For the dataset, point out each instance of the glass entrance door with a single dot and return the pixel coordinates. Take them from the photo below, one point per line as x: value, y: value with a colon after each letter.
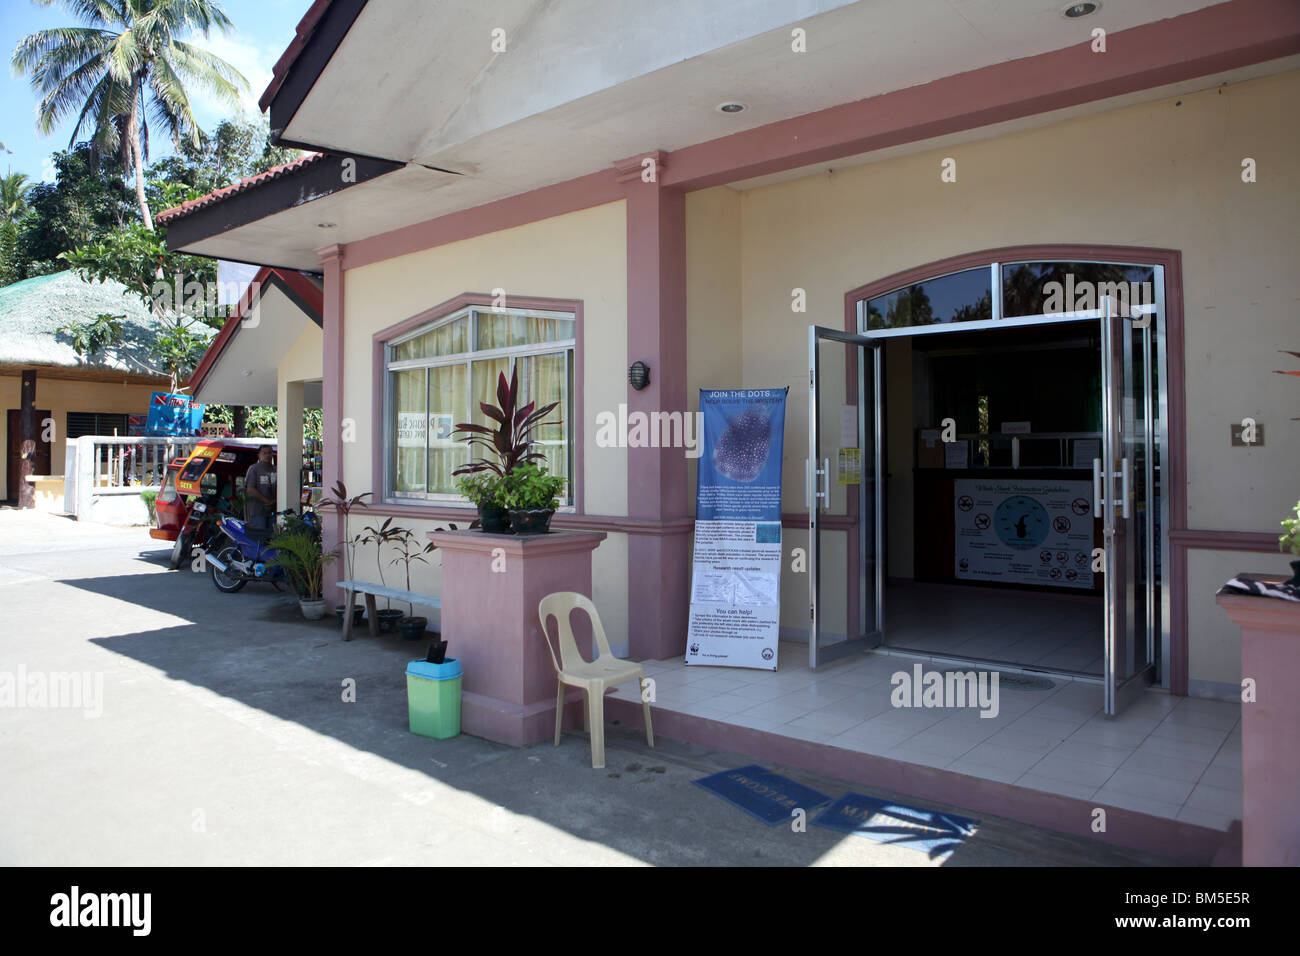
x: 843, y: 481
x: 1124, y: 486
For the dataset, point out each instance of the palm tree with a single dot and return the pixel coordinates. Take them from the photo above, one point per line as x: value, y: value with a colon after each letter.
x: 123, y: 68
x: 13, y: 196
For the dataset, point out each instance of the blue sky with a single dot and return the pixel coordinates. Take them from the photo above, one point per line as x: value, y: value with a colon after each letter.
x: 263, y: 29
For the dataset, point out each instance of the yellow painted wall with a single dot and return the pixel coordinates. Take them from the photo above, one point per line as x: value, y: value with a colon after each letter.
x: 1164, y: 174
x: 580, y: 255
x: 61, y: 396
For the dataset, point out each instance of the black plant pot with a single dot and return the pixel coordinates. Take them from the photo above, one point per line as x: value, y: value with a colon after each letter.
x: 388, y: 618
x: 531, y: 520
x: 412, y: 628
x: 358, y: 612
x: 493, y: 519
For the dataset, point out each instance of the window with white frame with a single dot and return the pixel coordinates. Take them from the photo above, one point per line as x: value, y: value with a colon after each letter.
x: 438, y: 374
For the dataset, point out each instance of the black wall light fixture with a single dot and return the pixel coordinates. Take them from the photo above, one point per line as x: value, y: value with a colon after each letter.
x: 638, y: 375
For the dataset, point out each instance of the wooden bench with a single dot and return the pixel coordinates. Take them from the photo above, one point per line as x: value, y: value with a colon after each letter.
x: 372, y: 591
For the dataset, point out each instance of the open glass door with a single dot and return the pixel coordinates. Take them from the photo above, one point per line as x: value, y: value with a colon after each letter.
x: 1125, y: 491
x: 843, y: 481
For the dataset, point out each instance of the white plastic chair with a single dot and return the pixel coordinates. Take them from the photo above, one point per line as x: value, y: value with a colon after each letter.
x: 594, y: 677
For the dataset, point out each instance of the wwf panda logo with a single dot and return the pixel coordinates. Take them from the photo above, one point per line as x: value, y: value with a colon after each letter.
x: 695, y: 648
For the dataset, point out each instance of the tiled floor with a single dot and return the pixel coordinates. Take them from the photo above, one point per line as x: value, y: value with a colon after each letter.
x: 1178, y: 758
x: 1061, y: 631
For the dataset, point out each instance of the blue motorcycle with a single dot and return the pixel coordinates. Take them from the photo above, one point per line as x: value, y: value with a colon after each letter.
x: 235, y: 557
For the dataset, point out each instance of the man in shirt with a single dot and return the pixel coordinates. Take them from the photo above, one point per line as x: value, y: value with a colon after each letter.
x: 259, y: 494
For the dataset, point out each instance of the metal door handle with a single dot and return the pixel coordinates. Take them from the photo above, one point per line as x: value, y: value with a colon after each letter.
x: 1123, y: 502
x: 1096, y: 487
x: 826, y: 481
x: 807, y: 483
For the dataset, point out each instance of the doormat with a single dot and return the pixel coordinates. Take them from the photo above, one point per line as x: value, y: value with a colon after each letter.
x: 930, y: 831
x: 1017, y: 681
x: 762, y: 793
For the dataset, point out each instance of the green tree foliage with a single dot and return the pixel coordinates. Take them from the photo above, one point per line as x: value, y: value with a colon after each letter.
x: 81, y: 205
x: 124, y: 67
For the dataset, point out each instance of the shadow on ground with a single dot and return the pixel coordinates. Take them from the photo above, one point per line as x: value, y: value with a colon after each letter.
x: 254, y: 647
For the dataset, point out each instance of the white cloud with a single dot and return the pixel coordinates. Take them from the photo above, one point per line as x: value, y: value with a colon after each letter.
x: 252, y: 61
x: 48, y: 173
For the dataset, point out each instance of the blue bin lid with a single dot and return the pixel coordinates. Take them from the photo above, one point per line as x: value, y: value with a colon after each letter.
x: 447, y: 670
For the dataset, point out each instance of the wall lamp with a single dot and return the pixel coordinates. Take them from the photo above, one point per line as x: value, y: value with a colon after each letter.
x: 638, y: 375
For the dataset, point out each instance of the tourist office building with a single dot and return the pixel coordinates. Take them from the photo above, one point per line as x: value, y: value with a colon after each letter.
x: 1027, y: 273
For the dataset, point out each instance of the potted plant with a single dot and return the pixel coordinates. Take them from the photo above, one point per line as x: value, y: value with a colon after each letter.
x: 509, y: 443
x: 411, y: 626
x: 380, y: 536
x: 341, y: 504
x: 1291, y: 542
x: 298, y: 551
x: 530, y: 494
x: 484, y: 489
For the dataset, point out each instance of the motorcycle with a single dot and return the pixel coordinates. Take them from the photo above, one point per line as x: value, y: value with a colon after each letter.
x: 198, y: 528
x: 236, y: 557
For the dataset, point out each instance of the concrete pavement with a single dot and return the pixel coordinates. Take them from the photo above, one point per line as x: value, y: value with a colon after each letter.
x: 225, y: 739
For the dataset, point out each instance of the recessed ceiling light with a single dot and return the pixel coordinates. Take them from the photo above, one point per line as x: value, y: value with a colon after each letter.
x: 326, y: 225
x: 731, y: 107
x: 1081, y: 9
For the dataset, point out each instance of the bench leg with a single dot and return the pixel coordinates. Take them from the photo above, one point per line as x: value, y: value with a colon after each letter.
x: 372, y: 615
x: 347, y: 616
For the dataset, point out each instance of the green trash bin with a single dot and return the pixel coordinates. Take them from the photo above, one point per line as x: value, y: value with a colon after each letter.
x: 433, y: 698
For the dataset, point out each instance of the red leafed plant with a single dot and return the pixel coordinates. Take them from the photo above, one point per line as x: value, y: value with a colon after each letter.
x: 510, y: 440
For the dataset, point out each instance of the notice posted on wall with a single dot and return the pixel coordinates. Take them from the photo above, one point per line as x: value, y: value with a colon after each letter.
x: 736, y: 577
x: 1023, y: 532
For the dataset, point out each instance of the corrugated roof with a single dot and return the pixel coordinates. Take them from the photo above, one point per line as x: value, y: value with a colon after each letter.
x: 32, y: 311
x: 272, y: 174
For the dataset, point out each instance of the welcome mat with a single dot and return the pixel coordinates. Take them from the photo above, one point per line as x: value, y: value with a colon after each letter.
x: 931, y: 831
x: 763, y: 794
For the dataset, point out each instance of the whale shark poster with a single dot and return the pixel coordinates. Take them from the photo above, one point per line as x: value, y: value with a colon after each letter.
x: 736, y: 573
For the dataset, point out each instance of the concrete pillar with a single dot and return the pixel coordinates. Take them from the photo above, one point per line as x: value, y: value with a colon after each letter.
x: 332, y: 406
x: 656, y: 335
x: 289, y: 435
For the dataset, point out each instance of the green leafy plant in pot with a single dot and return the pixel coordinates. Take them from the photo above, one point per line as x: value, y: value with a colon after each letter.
x: 341, y: 504
x: 484, y: 489
x: 531, y: 496
x: 411, y: 626
x: 1291, y: 542
x: 381, y: 536
x: 298, y: 551
x: 508, y: 442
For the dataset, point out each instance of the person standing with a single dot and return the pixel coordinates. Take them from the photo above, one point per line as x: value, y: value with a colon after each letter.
x: 259, y: 494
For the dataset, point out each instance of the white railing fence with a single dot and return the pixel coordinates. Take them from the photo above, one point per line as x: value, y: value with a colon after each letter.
x: 99, y: 467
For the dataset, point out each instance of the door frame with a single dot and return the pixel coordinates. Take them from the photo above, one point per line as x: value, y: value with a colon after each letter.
x: 1171, y: 639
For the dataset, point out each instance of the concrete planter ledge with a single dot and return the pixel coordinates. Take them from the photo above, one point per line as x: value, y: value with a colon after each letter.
x: 1270, y: 726
x: 491, y: 586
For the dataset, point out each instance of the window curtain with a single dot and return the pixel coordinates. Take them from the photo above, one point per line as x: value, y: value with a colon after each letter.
x: 409, y: 426
x: 446, y: 411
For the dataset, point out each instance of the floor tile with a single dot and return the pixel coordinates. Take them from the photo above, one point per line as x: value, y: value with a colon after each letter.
x: 1150, y: 786
x: 1141, y: 804
x: 1214, y: 799
x: 1067, y: 788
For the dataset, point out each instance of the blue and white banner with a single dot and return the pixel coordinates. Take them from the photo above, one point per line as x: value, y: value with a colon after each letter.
x: 173, y: 415
x: 736, y: 577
